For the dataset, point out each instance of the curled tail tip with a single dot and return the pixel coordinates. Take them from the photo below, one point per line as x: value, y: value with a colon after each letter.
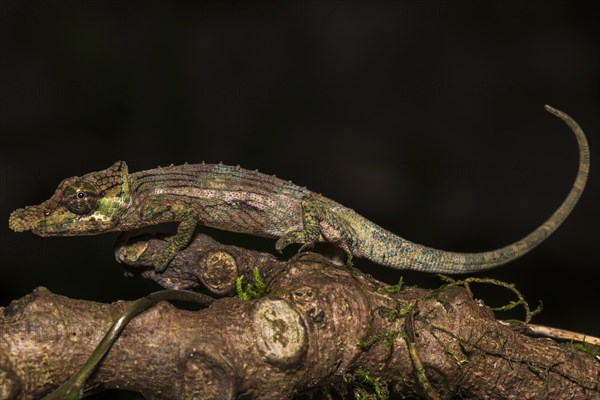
x: 574, y: 126
x: 556, y: 112
x: 564, y: 116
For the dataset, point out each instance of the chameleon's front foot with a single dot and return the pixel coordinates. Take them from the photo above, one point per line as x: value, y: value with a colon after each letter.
x: 174, y: 245
x: 177, y: 242
x: 162, y: 263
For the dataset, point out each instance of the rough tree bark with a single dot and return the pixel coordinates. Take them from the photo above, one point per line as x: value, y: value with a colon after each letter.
x: 318, y: 326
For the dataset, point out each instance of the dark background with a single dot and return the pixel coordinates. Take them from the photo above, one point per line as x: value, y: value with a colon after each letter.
x: 426, y: 117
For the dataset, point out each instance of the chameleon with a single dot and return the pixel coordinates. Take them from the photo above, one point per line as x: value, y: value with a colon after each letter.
x: 235, y: 199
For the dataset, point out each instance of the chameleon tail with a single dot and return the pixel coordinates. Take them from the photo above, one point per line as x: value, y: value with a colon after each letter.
x: 385, y: 248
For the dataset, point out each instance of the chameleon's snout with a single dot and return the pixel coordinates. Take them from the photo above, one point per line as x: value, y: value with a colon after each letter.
x: 23, y: 219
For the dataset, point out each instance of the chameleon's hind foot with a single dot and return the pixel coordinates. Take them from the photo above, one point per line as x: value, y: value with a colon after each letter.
x: 309, y: 234
x: 305, y: 237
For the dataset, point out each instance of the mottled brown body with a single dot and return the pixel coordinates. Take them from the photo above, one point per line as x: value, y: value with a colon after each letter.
x: 239, y: 200
x: 219, y: 196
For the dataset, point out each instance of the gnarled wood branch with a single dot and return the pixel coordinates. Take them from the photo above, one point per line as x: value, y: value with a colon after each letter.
x: 317, y: 326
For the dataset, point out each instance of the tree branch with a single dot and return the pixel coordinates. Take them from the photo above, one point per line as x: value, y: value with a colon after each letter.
x: 318, y: 326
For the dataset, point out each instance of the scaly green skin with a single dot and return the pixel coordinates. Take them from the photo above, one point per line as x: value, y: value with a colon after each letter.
x: 235, y: 199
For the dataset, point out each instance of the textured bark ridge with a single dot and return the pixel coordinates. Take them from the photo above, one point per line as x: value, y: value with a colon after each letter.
x: 318, y: 326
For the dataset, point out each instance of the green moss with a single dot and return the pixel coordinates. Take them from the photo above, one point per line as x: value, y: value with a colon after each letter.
x: 466, y: 283
x: 585, y: 348
x: 387, y: 337
x: 252, y: 291
x: 380, y: 391
x: 395, y: 288
x: 398, y: 312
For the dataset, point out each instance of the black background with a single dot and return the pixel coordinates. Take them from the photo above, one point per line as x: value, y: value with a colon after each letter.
x: 427, y: 117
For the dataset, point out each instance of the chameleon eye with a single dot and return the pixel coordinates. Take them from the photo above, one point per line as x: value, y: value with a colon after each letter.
x: 81, y: 197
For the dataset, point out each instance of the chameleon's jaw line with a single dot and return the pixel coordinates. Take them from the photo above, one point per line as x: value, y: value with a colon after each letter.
x: 32, y: 219
x: 42, y: 222
x: 18, y: 220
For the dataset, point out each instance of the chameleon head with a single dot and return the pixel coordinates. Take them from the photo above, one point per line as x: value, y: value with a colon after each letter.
x: 84, y: 205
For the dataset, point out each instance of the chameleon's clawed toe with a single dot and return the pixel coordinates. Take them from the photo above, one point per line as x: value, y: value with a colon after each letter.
x: 282, y: 243
x: 306, y: 246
